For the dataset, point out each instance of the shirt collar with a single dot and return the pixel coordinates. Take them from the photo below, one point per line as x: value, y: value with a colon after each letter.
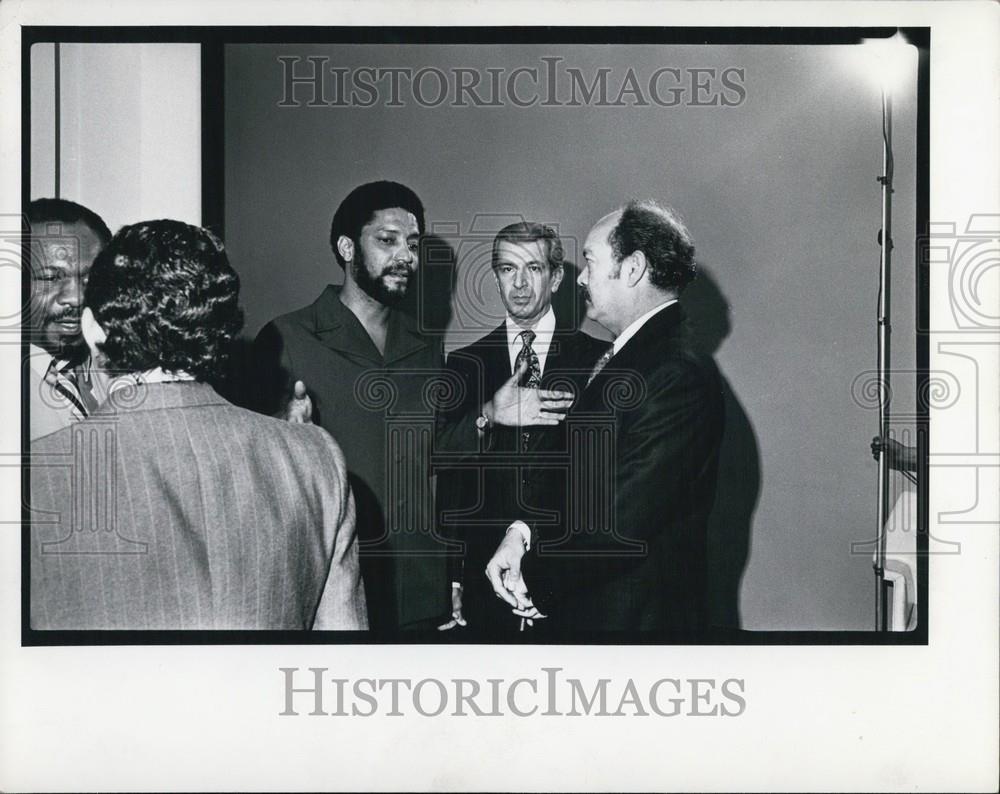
x: 156, y: 375
x: 633, y: 329
x: 544, y: 329
x: 40, y: 359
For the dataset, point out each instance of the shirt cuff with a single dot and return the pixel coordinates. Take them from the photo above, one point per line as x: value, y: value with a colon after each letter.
x: 524, y: 531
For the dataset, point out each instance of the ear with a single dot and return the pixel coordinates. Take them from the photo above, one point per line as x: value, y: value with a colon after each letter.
x: 345, y: 247
x: 635, y: 269
x: 557, y: 277
x: 92, y: 332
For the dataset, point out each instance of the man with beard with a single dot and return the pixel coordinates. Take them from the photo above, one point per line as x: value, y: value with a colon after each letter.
x: 63, y: 387
x: 364, y: 368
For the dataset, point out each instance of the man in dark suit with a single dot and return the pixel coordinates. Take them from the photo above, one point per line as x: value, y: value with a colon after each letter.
x: 363, y: 369
x: 517, y: 384
x: 632, y: 557
x: 168, y: 507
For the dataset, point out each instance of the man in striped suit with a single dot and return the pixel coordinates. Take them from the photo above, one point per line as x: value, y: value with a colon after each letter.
x: 168, y: 507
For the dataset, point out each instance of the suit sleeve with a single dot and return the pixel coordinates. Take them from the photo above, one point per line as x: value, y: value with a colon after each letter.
x: 456, y: 434
x: 342, y: 603
x: 456, y: 442
x: 660, y: 444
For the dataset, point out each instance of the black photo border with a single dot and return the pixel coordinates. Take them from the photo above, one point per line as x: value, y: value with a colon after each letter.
x: 213, y: 40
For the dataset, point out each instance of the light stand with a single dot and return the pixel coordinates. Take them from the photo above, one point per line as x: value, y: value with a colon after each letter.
x: 884, y: 390
x: 892, y: 61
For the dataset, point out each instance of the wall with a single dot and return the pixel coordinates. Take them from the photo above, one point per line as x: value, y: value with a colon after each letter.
x: 129, y: 143
x: 780, y: 194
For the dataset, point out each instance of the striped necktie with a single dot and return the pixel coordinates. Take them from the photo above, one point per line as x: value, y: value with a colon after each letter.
x: 602, y: 362
x: 65, y: 381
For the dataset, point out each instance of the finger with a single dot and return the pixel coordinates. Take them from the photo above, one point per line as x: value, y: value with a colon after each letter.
x: 551, y: 405
x: 514, y: 379
x: 553, y: 394
x: 449, y: 625
x: 545, y: 420
x: 493, y: 573
x: 527, y: 612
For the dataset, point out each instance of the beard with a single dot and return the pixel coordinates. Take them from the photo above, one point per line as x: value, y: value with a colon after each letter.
x: 375, y: 286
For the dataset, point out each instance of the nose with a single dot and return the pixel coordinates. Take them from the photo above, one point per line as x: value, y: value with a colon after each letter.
x: 406, y: 254
x: 71, y: 293
x: 520, y: 279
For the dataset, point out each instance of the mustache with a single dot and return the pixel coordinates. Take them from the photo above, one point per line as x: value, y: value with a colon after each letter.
x: 397, y: 271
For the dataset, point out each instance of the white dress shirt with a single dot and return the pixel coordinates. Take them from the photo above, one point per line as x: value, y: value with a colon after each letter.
x: 544, y: 329
x: 41, y: 361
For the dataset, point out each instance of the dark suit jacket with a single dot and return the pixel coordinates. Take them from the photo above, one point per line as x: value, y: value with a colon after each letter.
x: 380, y: 410
x: 170, y: 508
x: 508, y: 474
x: 647, y: 431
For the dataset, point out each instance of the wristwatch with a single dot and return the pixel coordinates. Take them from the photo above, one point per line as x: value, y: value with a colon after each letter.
x: 482, y: 423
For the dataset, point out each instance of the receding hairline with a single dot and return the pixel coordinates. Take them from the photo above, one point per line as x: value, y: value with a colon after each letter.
x: 611, y: 219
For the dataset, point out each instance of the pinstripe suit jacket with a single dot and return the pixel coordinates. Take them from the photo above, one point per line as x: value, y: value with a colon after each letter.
x: 170, y: 508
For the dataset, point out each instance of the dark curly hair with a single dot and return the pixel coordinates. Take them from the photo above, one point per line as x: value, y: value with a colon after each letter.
x: 166, y: 296
x: 361, y: 205
x: 529, y: 232
x: 657, y: 232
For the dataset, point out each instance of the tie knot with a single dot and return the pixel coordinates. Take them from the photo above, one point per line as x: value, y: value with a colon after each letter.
x: 527, y: 337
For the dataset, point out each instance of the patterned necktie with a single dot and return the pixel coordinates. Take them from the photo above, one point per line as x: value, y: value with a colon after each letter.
x: 602, y: 362
x: 533, y: 377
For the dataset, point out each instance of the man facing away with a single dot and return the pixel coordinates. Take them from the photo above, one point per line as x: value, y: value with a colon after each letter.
x: 168, y: 507
x: 633, y: 557
x: 63, y: 385
x: 366, y: 368
x: 517, y: 384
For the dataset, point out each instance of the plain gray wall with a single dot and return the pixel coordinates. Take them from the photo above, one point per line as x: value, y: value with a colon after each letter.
x: 780, y: 194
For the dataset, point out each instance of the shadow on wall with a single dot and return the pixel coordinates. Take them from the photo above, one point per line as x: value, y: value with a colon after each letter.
x: 731, y: 522
x: 429, y: 298
x: 568, y: 303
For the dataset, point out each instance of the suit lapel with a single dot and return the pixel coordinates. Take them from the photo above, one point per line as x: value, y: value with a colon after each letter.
x: 637, y: 355
x: 340, y: 330
x: 494, y: 354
